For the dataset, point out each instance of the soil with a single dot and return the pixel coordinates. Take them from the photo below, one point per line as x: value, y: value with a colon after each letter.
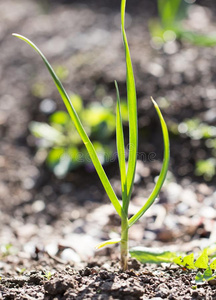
x: 49, y: 227
x: 99, y: 279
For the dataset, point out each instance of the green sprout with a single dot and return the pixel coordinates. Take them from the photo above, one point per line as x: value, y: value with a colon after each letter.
x: 127, y: 174
x: 48, y: 275
x: 169, y: 25
x: 20, y: 271
x: 204, y: 265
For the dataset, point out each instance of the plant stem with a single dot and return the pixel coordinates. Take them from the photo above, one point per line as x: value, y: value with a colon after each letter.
x: 124, y: 242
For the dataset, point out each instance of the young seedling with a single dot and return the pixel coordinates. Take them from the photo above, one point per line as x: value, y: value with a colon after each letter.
x: 204, y: 265
x: 48, y: 275
x: 127, y: 174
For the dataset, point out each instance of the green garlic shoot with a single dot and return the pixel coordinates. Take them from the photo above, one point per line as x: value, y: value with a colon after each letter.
x: 127, y: 174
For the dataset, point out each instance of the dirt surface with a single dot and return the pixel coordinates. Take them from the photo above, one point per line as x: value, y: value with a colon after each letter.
x: 51, y: 225
x: 99, y: 279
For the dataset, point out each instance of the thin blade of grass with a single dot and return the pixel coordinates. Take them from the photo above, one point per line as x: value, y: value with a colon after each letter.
x: 120, y: 147
x: 108, y: 242
x: 90, y: 148
x: 163, y: 172
x: 132, y: 109
x: 168, y: 10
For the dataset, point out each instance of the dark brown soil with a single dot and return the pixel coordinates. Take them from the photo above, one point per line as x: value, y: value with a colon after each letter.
x: 50, y: 225
x: 102, y: 279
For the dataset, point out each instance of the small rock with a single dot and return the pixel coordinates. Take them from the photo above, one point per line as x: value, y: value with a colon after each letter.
x: 181, y: 208
x: 195, y: 294
x: 155, y: 69
x: 210, y: 115
x: 170, y: 47
x: 189, y: 197
x: 104, y: 275
x: 165, y: 235
x: 36, y: 278
x: 59, y: 286
x: 134, y: 264
x: 47, y: 106
x: 207, y: 212
x: 204, y: 189
x: 141, y: 169
x: 27, y: 230
x: 173, y: 192
x: 87, y: 272
x: 70, y: 255
x: 162, y: 290
x: 38, y: 206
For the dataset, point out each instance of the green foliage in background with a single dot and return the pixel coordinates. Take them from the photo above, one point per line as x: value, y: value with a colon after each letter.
x: 196, y: 129
x: 6, y: 249
x: 169, y: 25
x: 64, y: 147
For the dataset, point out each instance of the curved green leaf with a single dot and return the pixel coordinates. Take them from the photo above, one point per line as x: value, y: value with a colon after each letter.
x: 108, y: 242
x: 163, y: 172
x: 153, y: 255
x: 90, y: 148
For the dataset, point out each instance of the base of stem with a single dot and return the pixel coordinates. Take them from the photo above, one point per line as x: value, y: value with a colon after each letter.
x: 124, y: 250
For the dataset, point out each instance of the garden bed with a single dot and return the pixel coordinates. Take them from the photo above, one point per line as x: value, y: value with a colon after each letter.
x: 102, y: 279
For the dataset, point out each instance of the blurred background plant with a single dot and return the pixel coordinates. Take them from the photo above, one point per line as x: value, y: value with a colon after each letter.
x: 201, y: 131
x: 61, y: 144
x: 170, y: 24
